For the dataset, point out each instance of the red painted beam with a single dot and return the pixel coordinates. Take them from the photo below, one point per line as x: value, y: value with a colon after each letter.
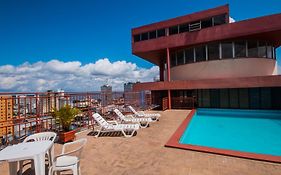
x: 246, y: 82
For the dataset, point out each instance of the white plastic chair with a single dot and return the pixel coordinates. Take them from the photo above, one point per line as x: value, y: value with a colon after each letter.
x: 143, y: 122
x: 67, y: 160
x: 42, y: 136
x: 153, y: 116
x: 106, y: 126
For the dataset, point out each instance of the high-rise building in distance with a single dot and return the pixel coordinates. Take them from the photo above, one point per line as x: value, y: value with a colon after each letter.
x: 106, y: 95
x: 6, y: 116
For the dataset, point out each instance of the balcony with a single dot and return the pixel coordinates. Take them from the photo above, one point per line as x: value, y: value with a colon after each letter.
x: 22, y: 114
x: 145, y: 154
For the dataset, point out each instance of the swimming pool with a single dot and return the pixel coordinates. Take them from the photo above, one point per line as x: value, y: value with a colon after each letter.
x: 244, y: 133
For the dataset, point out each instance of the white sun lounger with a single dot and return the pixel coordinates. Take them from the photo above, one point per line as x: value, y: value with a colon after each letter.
x: 153, y: 116
x: 142, y: 122
x: 106, y: 126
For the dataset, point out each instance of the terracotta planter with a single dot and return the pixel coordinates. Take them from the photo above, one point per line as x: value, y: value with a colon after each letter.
x: 67, y: 136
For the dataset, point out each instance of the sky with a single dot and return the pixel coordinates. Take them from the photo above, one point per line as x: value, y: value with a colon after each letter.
x: 81, y: 45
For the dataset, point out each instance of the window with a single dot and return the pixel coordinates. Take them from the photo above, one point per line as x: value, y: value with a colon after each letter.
x: 220, y: 19
x: 273, y: 53
x: 224, y: 98
x: 194, y: 26
x: 213, y: 51
x: 180, y: 57
x: 152, y: 34
x: 144, y: 36
x: 262, y: 49
x: 189, y: 55
x: 184, y: 28
x: 269, y: 51
x: 252, y: 49
x: 206, y: 23
x: 233, y: 98
x: 215, y: 98
x: 136, y: 38
x: 173, y: 59
x: 227, y: 51
x: 240, y: 49
x: 200, y: 53
x: 173, y: 30
x: 254, y: 98
x: 265, y: 98
x: 243, y: 98
x: 161, y: 32
x: 206, y: 98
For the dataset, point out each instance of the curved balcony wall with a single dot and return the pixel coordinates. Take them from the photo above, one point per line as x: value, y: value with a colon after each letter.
x: 243, y: 58
x: 230, y: 68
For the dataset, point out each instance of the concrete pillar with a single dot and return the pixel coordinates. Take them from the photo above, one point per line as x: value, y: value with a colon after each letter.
x: 168, y: 76
x: 168, y: 64
x: 169, y: 100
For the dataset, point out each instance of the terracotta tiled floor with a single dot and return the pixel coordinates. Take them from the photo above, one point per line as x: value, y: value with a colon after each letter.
x: 145, y: 154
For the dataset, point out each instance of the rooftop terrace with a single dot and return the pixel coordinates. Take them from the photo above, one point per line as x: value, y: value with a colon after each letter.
x: 145, y: 154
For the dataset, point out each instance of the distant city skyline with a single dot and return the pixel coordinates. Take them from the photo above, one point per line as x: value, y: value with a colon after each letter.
x: 81, y: 45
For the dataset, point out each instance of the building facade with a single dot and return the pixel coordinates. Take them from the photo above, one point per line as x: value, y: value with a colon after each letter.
x: 6, y: 116
x: 207, y: 60
x: 131, y: 97
x: 106, y: 95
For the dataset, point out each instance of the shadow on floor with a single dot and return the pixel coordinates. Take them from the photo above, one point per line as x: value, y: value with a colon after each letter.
x: 29, y: 171
x: 109, y: 134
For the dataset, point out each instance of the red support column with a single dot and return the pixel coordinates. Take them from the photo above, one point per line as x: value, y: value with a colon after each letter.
x: 161, y: 71
x: 168, y: 77
x: 169, y: 100
x: 168, y: 65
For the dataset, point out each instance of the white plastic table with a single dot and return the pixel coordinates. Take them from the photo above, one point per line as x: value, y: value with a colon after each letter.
x: 24, y: 151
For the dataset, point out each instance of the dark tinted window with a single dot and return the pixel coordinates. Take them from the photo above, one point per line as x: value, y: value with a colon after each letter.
x: 136, y: 38
x: 161, y: 32
x: 206, y: 97
x: 184, y: 28
x: 240, y: 49
x: 252, y: 49
x: 269, y: 51
x: 215, y: 98
x: 226, y: 48
x: 189, y: 55
x: 173, y: 30
x: 243, y: 98
x: 254, y: 95
x: 224, y: 98
x: 144, y: 36
x: 213, y: 51
x: 262, y: 49
x: 173, y: 59
x: 265, y: 98
x: 233, y: 98
x: 200, y: 53
x: 206, y: 23
x: 220, y: 19
x: 180, y: 57
x: 152, y: 34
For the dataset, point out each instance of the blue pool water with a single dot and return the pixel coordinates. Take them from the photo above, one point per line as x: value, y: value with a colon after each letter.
x: 254, y: 131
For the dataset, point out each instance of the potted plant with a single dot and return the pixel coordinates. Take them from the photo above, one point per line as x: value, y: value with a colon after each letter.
x: 64, y: 116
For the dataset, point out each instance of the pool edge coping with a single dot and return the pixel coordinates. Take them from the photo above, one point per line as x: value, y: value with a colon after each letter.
x: 173, y: 142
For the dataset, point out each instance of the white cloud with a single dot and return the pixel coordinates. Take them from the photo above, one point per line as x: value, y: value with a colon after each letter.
x: 72, y: 76
x: 231, y: 20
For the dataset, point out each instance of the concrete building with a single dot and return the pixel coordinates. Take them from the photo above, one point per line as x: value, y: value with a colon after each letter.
x: 207, y: 60
x: 6, y: 116
x: 106, y: 95
x: 130, y: 97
